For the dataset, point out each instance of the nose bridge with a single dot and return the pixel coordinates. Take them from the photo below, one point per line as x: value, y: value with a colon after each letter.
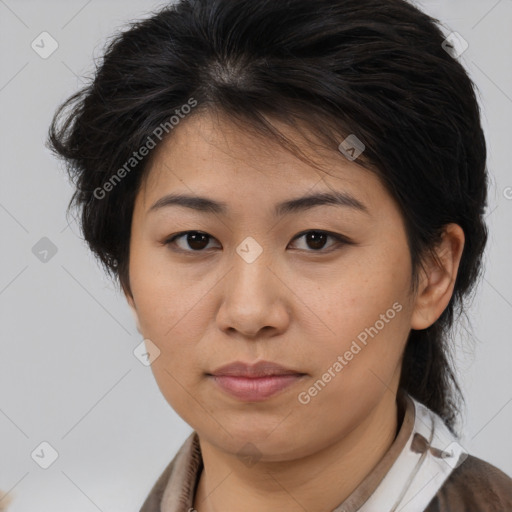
x: 250, y: 250
x: 251, y: 265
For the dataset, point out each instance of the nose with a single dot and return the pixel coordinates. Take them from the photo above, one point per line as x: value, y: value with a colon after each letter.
x: 254, y: 299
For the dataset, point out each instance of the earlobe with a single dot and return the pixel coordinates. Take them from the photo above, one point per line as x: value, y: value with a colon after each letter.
x: 438, y: 279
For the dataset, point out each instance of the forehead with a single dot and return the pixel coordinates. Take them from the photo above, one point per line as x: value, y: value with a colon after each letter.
x: 208, y: 153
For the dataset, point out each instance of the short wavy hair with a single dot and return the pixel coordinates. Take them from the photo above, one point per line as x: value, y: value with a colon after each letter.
x: 378, y: 70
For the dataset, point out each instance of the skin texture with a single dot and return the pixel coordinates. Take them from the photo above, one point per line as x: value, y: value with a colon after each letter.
x: 299, y: 304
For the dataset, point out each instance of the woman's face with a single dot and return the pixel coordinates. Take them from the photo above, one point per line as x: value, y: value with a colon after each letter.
x: 261, y: 283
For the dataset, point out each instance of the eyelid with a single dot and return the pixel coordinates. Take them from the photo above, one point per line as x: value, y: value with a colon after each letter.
x: 340, y: 240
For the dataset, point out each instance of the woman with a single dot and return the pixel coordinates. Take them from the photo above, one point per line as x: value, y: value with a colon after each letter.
x: 292, y: 197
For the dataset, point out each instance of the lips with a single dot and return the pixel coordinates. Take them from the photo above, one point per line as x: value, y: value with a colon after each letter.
x: 254, y: 382
x: 259, y: 369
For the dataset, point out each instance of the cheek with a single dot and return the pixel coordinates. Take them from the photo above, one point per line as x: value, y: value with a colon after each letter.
x: 171, y: 312
x: 172, y: 320
x: 164, y: 294
x: 358, y: 365
x: 365, y: 288
x: 366, y: 318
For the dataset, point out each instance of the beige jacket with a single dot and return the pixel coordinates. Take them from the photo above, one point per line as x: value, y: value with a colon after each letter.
x: 424, y: 470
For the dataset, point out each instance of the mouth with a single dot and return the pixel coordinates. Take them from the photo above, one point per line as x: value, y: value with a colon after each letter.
x: 254, y: 382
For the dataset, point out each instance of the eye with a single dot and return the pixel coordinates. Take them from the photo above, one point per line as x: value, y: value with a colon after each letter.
x: 317, y: 239
x: 198, y: 240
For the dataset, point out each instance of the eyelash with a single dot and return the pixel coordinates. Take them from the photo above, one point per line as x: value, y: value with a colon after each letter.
x: 340, y: 239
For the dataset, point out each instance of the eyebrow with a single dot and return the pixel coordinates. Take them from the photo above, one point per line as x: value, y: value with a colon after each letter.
x: 207, y: 205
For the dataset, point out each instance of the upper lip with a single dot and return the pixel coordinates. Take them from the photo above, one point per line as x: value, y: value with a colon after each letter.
x: 259, y: 369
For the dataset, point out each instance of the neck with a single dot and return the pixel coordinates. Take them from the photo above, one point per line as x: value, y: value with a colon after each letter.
x: 319, y: 482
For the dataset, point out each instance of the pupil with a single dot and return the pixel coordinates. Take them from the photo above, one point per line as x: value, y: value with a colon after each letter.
x: 317, y: 239
x: 192, y: 239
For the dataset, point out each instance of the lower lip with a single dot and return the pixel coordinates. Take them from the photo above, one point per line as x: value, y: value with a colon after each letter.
x: 255, y: 389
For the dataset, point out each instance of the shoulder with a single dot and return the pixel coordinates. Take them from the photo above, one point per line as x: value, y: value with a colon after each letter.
x: 474, y: 486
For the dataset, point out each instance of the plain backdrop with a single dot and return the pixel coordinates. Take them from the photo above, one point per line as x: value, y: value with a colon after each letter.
x: 68, y: 375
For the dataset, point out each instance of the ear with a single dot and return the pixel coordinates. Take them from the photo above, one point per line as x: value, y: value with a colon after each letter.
x: 437, y: 282
x: 133, y: 307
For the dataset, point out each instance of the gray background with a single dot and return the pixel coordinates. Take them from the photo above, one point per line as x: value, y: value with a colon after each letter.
x: 68, y: 375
